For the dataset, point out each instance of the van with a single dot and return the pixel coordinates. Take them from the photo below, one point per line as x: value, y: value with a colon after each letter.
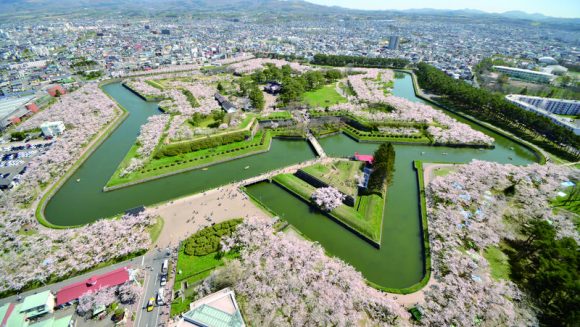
x: 160, y: 299
x: 165, y: 266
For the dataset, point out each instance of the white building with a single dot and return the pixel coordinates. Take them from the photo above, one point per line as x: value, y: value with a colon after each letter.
x: 541, y: 109
x: 52, y: 128
x: 526, y: 74
x: 219, y: 309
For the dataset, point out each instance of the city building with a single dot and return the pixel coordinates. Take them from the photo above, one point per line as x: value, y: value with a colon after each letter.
x: 37, y: 305
x: 547, y: 61
x: 225, y: 104
x: 394, y: 42
x: 219, y: 309
x: 526, y: 74
x: 555, y: 106
x: 71, y: 293
x: 569, y: 123
x: 52, y: 128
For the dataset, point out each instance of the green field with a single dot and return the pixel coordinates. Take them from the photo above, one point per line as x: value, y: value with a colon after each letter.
x: 340, y: 174
x: 324, y: 97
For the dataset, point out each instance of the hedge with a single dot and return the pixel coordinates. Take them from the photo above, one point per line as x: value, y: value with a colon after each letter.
x: 175, y: 149
x: 207, y: 240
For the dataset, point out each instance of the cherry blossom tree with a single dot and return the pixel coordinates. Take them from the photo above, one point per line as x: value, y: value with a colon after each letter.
x: 328, y: 198
x: 289, y: 282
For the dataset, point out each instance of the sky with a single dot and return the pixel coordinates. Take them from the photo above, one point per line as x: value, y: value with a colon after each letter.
x: 554, y: 8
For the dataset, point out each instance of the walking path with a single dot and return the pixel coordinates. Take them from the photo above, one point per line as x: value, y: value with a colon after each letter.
x: 317, y: 147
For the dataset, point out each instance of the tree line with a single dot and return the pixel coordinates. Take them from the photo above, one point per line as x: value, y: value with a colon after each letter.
x: 548, y: 268
x: 341, y: 61
x: 495, y: 109
x: 383, y: 168
x: 293, y: 84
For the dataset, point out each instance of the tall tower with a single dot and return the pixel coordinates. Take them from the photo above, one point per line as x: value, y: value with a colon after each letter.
x: 394, y: 42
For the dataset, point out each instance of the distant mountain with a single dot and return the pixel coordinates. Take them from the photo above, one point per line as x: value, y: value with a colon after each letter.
x: 9, y: 8
x: 165, y: 5
x: 516, y: 14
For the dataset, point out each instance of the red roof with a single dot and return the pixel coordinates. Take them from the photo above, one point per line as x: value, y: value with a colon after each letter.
x: 52, y: 90
x: 32, y: 107
x: 15, y: 120
x: 74, y: 291
x: 364, y: 157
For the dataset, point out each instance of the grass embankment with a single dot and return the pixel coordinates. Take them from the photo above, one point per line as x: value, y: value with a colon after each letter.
x: 277, y: 115
x: 192, y: 160
x: 367, y: 222
x: 323, y: 97
x: 155, y: 229
x: 340, y: 174
x: 154, y: 84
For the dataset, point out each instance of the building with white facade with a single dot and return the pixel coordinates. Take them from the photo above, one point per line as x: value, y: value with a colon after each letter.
x: 526, y: 74
x: 549, y: 108
x: 52, y: 128
x: 555, y: 106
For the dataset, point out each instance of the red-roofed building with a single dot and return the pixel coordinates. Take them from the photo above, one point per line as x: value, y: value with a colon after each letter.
x: 364, y: 157
x: 53, y: 90
x: 15, y: 120
x: 32, y: 107
x: 74, y: 291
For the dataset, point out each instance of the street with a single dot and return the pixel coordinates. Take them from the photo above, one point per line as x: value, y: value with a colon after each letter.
x: 151, y: 265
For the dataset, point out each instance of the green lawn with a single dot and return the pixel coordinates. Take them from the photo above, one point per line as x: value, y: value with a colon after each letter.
x: 324, y: 97
x: 277, y: 115
x: 443, y: 171
x: 498, y: 263
x: 155, y: 229
x: 295, y: 184
x: 339, y: 174
x: 191, y: 160
x: 570, y: 202
x: 154, y: 84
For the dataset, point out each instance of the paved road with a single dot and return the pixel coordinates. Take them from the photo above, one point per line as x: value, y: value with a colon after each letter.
x: 152, y: 267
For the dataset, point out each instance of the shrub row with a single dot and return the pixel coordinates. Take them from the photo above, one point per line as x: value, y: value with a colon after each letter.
x: 207, y: 240
x: 214, y: 154
x: 174, y: 149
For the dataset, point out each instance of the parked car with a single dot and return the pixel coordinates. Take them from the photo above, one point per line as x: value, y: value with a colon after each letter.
x: 163, y: 280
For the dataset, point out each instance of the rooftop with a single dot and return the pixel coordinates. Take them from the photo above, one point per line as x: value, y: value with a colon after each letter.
x: 74, y: 291
x: 9, y: 105
x: 219, y: 309
x: 36, y: 300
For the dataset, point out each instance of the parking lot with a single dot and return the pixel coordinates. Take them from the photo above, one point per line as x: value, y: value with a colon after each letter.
x: 14, y: 159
